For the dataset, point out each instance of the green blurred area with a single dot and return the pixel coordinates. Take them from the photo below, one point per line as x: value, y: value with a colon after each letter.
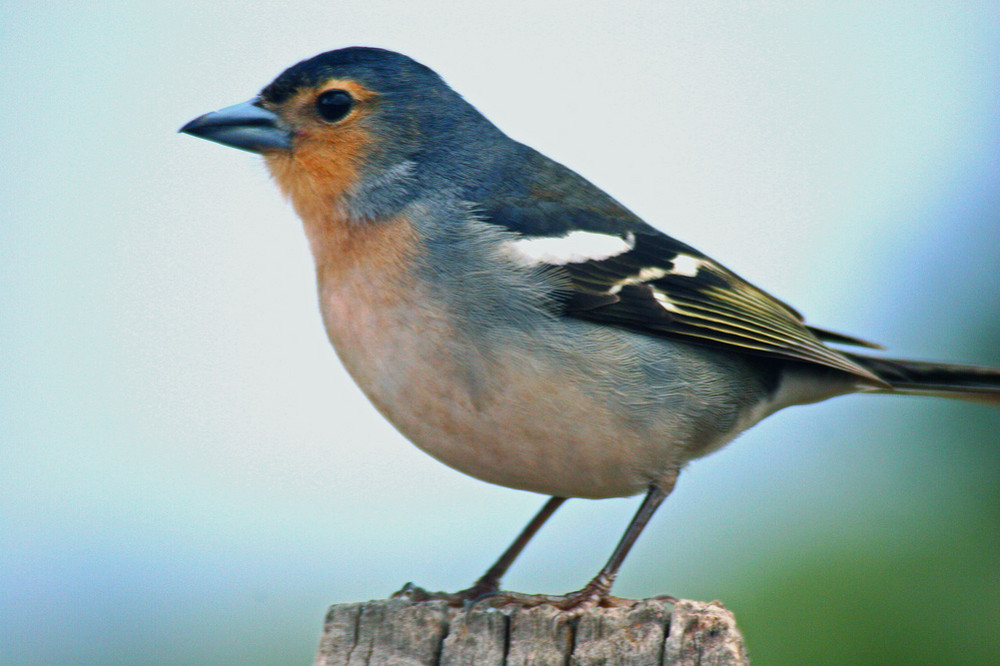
x: 933, y: 600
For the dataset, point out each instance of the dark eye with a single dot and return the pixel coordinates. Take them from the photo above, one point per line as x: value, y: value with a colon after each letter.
x: 333, y: 105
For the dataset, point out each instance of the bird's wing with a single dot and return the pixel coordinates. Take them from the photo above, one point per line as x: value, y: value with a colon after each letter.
x: 625, y: 273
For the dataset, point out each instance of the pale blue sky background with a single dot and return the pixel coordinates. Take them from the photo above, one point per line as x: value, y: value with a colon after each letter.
x: 187, y: 475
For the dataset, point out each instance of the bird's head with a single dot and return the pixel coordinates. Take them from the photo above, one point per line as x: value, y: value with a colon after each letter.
x: 356, y: 127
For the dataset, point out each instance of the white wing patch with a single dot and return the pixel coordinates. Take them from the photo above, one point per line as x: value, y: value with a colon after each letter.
x: 647, y: 274
x: 683, y: 264
x: 576, y: 247
x: 686, y: 265
x: 665, y: 301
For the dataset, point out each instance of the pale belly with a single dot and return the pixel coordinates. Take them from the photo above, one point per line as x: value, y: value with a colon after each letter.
x: 553, y: 423
x: 528, y: 430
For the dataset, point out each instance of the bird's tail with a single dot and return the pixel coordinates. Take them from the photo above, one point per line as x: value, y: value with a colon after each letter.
x: 964, y: 382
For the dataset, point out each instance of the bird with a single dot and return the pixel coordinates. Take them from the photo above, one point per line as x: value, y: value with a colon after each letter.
x: 517, y: 323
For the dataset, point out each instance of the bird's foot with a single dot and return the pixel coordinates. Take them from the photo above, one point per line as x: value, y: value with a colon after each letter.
x: 472, y: 595
x: 596, y: 594
x: 573, y: 603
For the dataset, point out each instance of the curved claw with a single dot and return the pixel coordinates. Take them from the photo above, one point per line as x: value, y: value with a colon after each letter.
x: 468, y: 597
x: 573, y: 603
x: 411, y: 592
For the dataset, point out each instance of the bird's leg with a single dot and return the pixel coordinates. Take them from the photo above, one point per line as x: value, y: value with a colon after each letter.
x: 597, y: 591
x: 489, y: 583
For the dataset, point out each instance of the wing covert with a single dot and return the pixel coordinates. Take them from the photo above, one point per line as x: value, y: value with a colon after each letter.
x: 625, y: 273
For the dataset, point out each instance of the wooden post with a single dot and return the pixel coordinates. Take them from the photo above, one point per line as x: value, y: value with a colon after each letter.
x: 399, y: 632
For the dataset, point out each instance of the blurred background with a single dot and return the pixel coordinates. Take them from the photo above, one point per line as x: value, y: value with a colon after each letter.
x: 187, y: 475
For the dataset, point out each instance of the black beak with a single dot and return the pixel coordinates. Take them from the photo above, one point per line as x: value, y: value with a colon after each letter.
x: 245, y: 126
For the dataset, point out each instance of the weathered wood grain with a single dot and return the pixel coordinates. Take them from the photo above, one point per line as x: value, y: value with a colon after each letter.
x: 400, y: 632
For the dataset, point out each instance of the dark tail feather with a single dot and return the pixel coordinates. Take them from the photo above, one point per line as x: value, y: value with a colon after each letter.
x: 965, y: 382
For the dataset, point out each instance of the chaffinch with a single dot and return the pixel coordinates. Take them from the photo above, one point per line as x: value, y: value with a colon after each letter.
x: 513, y: 320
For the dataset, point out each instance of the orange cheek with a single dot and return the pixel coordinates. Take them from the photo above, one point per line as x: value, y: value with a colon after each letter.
x: 321, y: 168
x: 315, y: 176
x: 325, y: 161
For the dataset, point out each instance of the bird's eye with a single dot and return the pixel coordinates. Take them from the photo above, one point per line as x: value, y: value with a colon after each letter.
x: 334, y: 105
